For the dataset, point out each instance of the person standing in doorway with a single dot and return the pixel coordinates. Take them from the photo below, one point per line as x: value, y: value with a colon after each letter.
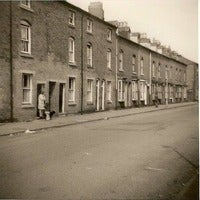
x: 41, y: 104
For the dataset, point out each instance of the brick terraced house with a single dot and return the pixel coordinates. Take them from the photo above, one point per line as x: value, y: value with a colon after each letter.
x: 83, y: 63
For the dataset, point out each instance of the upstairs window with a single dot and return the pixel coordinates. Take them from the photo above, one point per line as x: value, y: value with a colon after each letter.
x: 27, y: 88
x: 121, y: 55
x: 89, y: 26
x: 159, y: 68
x: 89, y: 54
x: 109, y: 34
x: 108, y: 59
x: 166, y: 72
x: 71, y: 18
x: 170, y: 72
x: 184, y: 76
x: 71, y: 50
x: 153, y: 69
x: 133, y: 63
x: 25, y: 3
x: 25, y: 37
x: 142, y: 66
x: 176, y: 74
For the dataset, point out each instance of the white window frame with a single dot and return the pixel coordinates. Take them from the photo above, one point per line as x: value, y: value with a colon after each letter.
x: 109, y: 34
x: 109, y: 58
x: 134, y: 91
x: 71, y: 50
x: 25, y: 3
x: 166, y: 72
x: 28, y: 88
x: 89, y: 54
x: 109, y: 91
x: 184, y: 76
x: 153, y: 69
x: 134, y: 63
x: 90, y: 90
x: 159, y: 70
x: 89, y: 26
x: 141, y: 66
x: 120, y: 90
x: 71, y: 19
x: 25, y: 37
x: 72, y: 89
x: 142, y: 91
x: 121, y: 57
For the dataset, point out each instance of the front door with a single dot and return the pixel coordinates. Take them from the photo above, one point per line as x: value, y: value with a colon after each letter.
x: 97, y: 95
x: 52, y: 96
x: 62, y: 98
x: 103, y: 95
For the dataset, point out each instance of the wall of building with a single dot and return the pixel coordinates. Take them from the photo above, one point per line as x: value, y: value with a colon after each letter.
x: 99, y: 70
x: 5, y: 61
x: 48, y: 62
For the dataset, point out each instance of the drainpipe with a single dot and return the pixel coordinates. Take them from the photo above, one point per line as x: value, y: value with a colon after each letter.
x: 11, y: 66
x: 138, y: 85
x: 82, y: 64
x: 116, y: 70
x: 150, y: 96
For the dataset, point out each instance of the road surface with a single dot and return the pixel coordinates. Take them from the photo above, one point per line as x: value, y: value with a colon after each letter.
x: 147, y: 156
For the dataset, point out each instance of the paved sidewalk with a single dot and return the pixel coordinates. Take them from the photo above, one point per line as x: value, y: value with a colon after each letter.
x: 36, y: 125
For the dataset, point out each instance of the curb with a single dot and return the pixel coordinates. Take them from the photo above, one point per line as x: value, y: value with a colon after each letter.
x: 93, y: 120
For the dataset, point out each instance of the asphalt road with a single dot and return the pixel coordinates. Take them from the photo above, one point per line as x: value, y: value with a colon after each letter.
x: 147, y: 156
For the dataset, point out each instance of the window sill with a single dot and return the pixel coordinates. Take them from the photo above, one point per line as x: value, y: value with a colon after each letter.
x: 90, y: 66
x: 71, y: 25
x: 72, y: 104
x: 26, y: 8
x: 89, y: 103
x: 72, y: 64
x: 142, y: 74
x: 24, y: 105
x: 109, y: 102
x: 134, y: 72
x: 121, y: 70
x: 110, y: 41
x: 121, y: 101
x: 26, y: 55
x: 89, y: 33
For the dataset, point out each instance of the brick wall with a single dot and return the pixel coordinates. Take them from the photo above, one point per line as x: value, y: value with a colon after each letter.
x: 4, y: 61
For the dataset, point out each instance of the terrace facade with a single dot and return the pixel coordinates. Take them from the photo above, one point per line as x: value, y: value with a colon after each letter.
x: 83, y: 63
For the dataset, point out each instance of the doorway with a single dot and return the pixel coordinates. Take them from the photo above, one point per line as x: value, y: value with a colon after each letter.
x: 103, y: 95
x: 40, y: 88
x: 61, y: 98
x: 52, y: 97
x: 97, y: 95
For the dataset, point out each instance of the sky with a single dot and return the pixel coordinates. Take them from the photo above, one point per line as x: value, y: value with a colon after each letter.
x: 173, y: 22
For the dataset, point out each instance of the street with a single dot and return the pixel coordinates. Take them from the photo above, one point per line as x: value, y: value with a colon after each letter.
x: 146, y: 156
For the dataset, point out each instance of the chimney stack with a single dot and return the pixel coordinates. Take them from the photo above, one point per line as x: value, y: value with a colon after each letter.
x: 96, y: 9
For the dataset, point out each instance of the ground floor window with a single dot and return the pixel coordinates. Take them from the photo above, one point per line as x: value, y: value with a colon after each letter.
x: 142, y: 91
x: 109, y: 91
x: 89, y: 90
x: 71, y: 90
x: 120, y: 90
x: 27, y: 88
x: 134, y: 91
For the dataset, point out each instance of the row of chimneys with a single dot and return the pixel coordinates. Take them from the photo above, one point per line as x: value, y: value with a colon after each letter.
x: 96, y: 9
